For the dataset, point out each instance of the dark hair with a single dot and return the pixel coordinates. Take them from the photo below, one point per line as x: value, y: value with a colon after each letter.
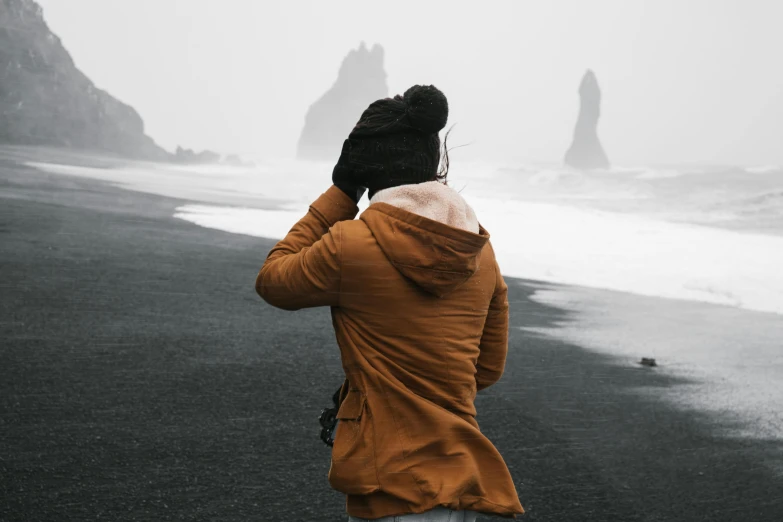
x: 443, y: 160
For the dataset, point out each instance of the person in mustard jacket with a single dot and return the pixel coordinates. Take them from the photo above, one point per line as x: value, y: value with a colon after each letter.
x: 420, y: 312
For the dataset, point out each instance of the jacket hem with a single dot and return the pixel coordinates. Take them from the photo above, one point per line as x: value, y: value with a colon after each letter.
x: 379, y: 505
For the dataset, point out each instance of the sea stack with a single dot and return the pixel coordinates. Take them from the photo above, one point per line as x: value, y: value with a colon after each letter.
x: 360, y: 81
x: 586, y: 151
x: 46, y: 100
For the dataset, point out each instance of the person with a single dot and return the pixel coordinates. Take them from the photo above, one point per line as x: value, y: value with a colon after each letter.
x: 420, y: 313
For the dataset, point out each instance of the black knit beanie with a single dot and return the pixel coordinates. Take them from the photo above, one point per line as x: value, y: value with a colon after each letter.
x: 395, y: 141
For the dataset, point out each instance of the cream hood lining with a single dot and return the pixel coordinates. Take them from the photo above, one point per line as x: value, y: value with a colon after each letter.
x: 432, y: 200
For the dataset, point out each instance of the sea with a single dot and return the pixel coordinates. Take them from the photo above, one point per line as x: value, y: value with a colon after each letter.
x: 711, y: 234
x: 683, y: 263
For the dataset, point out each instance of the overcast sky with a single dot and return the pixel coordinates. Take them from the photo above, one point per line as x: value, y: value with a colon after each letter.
x: 683, y: 80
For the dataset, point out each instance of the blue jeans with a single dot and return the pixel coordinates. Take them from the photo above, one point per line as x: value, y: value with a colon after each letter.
x: 439, y: 514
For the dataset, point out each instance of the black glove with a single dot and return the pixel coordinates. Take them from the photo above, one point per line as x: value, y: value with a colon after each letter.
x: 355, y: 193
x: 347, y: 177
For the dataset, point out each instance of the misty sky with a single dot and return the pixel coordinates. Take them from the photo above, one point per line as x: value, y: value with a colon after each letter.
x: 696, y: 81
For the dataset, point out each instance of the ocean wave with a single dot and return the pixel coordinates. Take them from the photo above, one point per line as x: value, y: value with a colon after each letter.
x: 660, y: 174
x: 768, y: 204
x: 544, y: 223
x: 594, y: 249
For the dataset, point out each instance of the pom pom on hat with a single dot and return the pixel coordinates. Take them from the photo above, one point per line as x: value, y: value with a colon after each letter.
x: 427, y: 108
x: 422, y: 109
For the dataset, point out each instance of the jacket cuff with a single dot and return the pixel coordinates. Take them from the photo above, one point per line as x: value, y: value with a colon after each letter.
x: 335, y: 205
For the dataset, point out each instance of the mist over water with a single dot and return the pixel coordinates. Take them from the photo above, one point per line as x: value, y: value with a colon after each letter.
x: 706, y: 234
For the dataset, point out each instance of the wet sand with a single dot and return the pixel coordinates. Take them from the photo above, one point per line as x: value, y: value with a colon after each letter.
x: 141, y: 378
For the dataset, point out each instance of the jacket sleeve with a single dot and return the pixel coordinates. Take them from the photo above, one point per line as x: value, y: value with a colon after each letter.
x: 494, y: 340
x: 304, y: 269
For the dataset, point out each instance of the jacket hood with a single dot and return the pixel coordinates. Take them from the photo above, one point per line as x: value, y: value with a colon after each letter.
x: 429, y: 233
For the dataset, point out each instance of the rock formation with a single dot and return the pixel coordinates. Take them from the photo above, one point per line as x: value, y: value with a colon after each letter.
x: 360, y: 81
x: 586, y: 151
x: 234, y: 160
x: 208, y: 157
x: 46, y: 100
x: 190, y: 156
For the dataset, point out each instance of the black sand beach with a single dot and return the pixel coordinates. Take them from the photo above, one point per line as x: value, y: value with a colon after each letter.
x: 141, y: 378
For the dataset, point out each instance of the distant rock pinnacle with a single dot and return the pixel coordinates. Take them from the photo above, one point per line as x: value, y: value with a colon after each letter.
x: 586, y: 151
x: 360, y: 81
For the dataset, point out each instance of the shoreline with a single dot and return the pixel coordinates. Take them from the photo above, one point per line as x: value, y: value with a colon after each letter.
x: 142, y: 378
x: 564, y: 243
x: 731, y: 355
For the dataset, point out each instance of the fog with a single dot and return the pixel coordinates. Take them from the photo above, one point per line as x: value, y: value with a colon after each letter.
x: 682, y: 82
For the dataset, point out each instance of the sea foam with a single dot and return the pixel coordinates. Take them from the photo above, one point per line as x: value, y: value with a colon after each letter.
x: 558, y: 239
x: 591, y: 248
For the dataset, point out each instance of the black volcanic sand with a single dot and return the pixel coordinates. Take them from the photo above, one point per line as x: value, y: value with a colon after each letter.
x: 141, y: 378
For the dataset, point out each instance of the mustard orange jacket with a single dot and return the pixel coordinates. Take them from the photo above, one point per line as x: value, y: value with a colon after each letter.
x: 420, y: 313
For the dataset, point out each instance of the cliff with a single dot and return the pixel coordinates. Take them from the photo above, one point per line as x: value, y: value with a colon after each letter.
x: 46, y: 100
x: 586, y: 151
x: 360, y: 81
